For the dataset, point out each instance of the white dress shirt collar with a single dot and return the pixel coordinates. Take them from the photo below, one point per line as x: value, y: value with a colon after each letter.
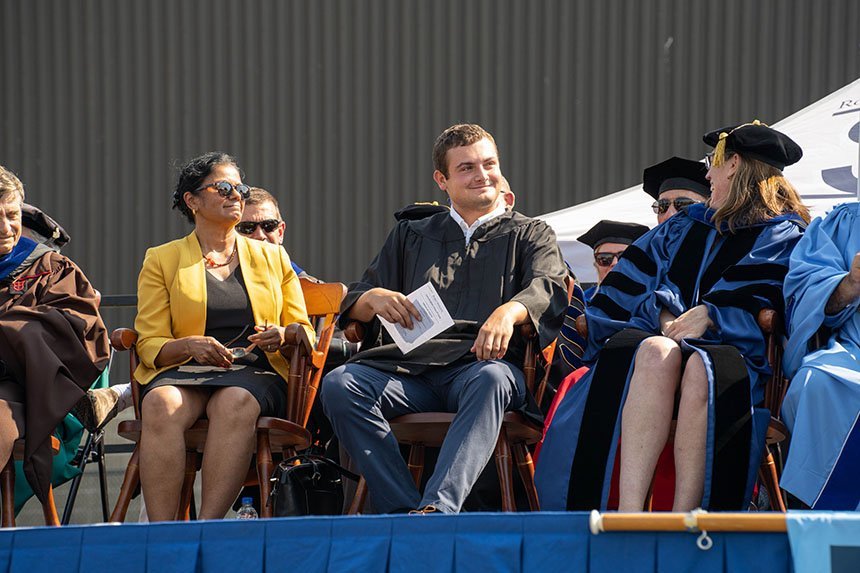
x: 468, y: 230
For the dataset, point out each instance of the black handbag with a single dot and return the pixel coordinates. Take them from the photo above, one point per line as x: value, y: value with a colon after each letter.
x: 314, y: 486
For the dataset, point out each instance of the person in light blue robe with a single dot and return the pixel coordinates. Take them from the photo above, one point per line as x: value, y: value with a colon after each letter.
x: 822, y: 404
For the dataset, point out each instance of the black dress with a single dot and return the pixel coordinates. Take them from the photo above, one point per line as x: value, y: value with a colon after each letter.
x: 229, y: 317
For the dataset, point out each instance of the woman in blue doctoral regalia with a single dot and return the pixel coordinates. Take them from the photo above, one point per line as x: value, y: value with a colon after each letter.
x: 676, y: 322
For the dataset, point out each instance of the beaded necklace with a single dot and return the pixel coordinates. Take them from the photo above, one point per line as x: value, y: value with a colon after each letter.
x: 210, y: 263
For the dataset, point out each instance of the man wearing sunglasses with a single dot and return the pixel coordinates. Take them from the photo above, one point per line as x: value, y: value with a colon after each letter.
x: 676, y: 184
x: 261, y: 220
x: 609, y: 239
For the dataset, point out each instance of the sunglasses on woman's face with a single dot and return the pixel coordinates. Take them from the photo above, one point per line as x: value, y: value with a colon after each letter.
x: 605, y: 259
x: 225, y: 189
x: 662, y: 205
x: 248, y: 227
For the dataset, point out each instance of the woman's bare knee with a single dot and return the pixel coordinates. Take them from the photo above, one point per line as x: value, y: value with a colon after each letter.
x: 169, y: 406
x: 657, y: 365
x: 659, y: 351
x: 234, y: 404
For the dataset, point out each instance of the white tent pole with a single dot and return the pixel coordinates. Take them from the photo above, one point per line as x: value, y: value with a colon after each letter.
x: 858, y: 160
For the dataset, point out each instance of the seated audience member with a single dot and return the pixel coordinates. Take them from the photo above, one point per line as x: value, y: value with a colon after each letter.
x: 675, y: 184
x: 262, y: 220
x: 43, y: 229
x: 53, y: 343
x: 822, y: 405
x: 677, y: 318
x: 199, y: 299
x: 493, y: 269
x: 609, y: 239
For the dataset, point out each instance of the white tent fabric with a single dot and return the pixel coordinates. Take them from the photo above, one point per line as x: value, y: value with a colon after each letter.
x: 828, y: 131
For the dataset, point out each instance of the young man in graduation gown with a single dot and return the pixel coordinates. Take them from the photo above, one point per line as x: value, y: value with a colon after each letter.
x: 494, y: 269
x: 673, y: 329
x: 822, y: 405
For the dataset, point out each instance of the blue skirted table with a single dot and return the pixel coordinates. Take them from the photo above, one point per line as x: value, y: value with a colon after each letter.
x: 540, y: 542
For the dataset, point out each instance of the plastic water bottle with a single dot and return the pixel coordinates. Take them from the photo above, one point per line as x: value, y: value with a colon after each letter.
x: 247, y: 510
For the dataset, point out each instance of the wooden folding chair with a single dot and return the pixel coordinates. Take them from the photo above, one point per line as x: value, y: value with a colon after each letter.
x: 322, y: 301
x: 7, y: 487
x: 428, y: 429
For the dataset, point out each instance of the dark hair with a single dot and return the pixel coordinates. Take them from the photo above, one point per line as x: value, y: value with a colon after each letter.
x: 192, y: 174
x: 458, y: 135
x: 259, y: 196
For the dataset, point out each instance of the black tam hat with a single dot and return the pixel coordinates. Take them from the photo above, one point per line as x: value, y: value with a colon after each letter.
x: 676, y: 173
x: 612, y: 232
x: 755, y: 140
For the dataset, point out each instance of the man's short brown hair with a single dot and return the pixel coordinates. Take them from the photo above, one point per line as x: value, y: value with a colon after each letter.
x: 11, y: 188
x: 458, y: 135
x: 259, y: 196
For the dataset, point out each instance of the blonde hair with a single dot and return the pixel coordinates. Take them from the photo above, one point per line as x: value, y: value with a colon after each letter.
x: 11, y: 187
x: 757, y: 192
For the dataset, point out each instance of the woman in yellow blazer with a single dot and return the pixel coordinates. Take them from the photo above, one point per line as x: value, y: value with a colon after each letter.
x: 200, y: 300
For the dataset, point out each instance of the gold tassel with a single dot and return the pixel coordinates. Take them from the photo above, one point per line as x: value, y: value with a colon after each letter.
x: 720, y: 150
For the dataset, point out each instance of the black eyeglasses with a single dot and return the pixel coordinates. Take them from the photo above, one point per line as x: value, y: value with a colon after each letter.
x: 605, y: 259
x: 248, y: 227
x: 225, y: 189
x: 662, y: 205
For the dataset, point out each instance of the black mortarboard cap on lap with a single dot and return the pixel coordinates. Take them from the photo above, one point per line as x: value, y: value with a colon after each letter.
x: 755, y: 140
x: 676, y: 173
x: 612, y: 232
x: 417, y: 211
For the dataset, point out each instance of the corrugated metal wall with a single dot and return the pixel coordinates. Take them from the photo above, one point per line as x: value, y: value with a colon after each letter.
x: 334, y: 104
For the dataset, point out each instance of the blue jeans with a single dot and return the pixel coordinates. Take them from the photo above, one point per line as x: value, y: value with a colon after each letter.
x: 359, y: 400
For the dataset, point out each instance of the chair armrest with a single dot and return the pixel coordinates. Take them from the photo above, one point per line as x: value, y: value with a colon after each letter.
x: 769, y: 321
x: 354, y: 331
x: 295, y: 335
x: 123, y: 339
x: 527, y: 331
x: 582, y: 326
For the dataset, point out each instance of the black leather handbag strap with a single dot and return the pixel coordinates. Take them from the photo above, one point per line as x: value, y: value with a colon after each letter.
x: 323, y: 460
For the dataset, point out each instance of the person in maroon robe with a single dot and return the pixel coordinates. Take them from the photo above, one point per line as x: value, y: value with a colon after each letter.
x: 53, y: 343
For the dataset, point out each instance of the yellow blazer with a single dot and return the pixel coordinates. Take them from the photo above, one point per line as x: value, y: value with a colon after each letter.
x: 171, y: 296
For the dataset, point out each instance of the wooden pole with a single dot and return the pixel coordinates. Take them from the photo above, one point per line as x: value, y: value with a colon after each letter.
x: 693, y: 521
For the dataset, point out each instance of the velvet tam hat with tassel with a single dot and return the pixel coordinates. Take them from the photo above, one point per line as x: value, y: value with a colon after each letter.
x: 754, y: 140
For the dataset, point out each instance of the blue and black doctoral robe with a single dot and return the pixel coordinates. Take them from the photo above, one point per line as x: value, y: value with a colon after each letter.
x: 678, y: 265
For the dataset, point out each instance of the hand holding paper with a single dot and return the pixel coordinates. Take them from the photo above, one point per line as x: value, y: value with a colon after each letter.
x: 434, y: 319
x: 392, y: 306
